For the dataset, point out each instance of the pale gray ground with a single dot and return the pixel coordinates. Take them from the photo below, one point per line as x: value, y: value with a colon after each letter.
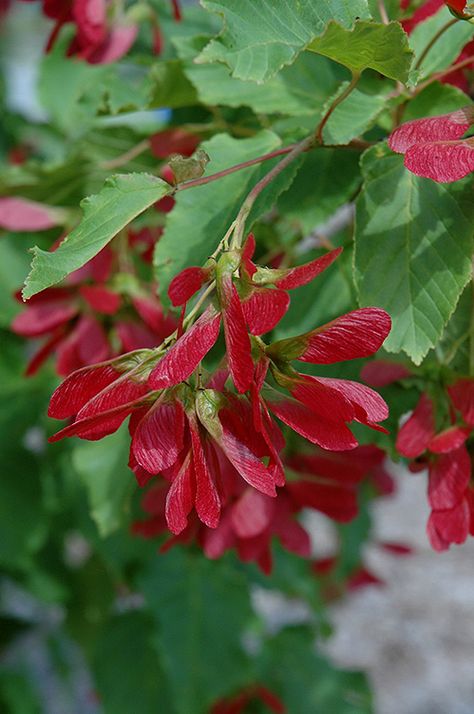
x: 415, y: 637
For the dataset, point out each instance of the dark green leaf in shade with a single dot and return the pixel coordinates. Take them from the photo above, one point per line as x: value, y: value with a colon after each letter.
x: 436, y: 99
x: 170, y: 87
x: 306, y: 682
x: 127, y: 669
x: 201, y: 609
x: 325, y: 298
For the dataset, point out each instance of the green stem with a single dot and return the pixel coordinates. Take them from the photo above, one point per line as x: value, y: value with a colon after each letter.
x: 358, y: 144
x: 199, y: 303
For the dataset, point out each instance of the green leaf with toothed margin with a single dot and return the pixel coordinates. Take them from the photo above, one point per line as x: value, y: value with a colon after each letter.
x: 122, y: 199
x: 259, y: 38
x: 368, y: 45
x: 413, y: 249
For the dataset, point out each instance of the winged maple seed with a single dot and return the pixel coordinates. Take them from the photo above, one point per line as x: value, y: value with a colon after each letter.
x: 212, y: 438
x: 463, y: 9
x: 435, y: 437
x: 90, y: 318
x: 103, y: 31
x: 444, y: 452
x: 434, y: 147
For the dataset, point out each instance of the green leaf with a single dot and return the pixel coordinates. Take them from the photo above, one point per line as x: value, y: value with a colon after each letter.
x: 436, y: 99
x: 18, y: 694
x: 202, y: 215
x: 355, y: 114
x: 259, y: 39
x: 170, y: 87
x: 65, y: 108
x: 290, y: 665
x: 14, y: 264
x: 413, y: 250
x: 23, y: 523
x: 368, y: 45
x: 109, y: 482
x: 326, y: 180
x: 122, y: 199
x: 457, y: 342
x: 298, y: 90
x: 448, y: 45
x: 202, y: 608
x: 127, y: 669
x: 125, y: 87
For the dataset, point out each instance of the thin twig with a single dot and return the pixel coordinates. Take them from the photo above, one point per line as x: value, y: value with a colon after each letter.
x: 350, y: 87
x: 247, y: 205
x: 199, y: 303
x: 434, y: 40
x: 383, y: 12
x: 358, y: 144
x: 127, y: 156
x: 238, y: 167
x: 444, y: 73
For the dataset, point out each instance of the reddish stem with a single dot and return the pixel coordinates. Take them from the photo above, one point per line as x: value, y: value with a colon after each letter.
x: 237, y: 167
x: 177, y: 14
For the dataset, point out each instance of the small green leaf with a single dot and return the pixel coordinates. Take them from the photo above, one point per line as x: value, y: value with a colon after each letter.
x: 368, y: 45
x: 413, y: 250
x: 109, y: 482
x: 122, y: 199
x: 186, y: 168
x: 260, y: 38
